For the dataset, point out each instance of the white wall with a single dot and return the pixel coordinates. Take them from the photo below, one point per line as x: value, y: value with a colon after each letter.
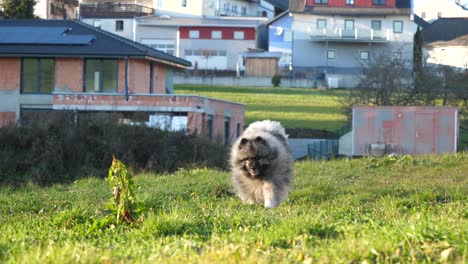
x: 454, y: 56
x: 108, y: 24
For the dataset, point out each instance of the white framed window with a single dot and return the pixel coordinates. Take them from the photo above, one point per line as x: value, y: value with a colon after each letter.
x: 397, y: 26
x: 321, y: 23
x: 97, y: 23
x: 397, y: 56
x: 194, y: 34
x: 287, y: 35
x: 184, y: 3
x: 350, y: 2
x: 216, y: 34
x: 234, y: 9
x: 239, y: 35
x: 364, y: 55
x: 331, y: 54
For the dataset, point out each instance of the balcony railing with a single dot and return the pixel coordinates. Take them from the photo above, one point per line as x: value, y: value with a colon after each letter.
x: 350, y: 35
x: 239, y: 13
x: 112, y: 9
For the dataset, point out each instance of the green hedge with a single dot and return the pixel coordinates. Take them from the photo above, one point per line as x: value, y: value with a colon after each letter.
x: 65, y: 148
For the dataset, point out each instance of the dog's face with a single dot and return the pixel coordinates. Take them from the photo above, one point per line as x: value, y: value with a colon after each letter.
x: 254, y: 156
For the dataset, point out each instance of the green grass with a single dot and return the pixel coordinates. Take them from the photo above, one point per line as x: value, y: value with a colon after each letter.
x: 293, y: 107
x: 344, y: 211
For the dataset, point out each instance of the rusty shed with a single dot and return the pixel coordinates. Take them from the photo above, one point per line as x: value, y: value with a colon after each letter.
x: 380, y: 130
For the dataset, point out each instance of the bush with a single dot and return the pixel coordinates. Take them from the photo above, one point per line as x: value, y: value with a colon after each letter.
x: 276, y: 80
x: 60, y: 150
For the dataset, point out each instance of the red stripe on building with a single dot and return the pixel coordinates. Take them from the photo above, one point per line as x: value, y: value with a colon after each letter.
x: 227, y: 33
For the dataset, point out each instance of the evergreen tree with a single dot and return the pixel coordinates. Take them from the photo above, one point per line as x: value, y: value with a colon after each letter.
x: 19, y: 9
x: 417, y: 55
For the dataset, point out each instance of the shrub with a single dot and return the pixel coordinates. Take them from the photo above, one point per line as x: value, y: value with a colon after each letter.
x: 276, y: 80
x: 61, y: 150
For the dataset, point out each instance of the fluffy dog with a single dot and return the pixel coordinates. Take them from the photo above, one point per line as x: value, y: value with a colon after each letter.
x: 261, y: 164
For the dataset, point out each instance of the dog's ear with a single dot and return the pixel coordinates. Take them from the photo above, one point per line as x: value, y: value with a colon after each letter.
x: 260, y: 140
x: 242, y: 142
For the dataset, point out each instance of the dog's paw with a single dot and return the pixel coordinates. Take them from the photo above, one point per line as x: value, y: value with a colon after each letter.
x: 271, y: 204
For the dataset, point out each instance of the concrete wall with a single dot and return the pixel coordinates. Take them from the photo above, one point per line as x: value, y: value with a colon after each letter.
x: 244, y: 81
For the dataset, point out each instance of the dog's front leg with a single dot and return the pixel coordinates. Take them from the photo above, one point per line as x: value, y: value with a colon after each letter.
x: 269, y: 194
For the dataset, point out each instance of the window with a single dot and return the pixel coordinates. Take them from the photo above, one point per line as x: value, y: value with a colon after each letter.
x: 287, y: 35
x: 439, y: 14
x: 350, y: 2
x: 378, y: 2
x: 97, y: 23
x: 243, y: 11
x: 226, y: 7
x: 194, y: 34
x: 188, y: 52
x: 234, y: 9
x: 331, y: 55
x: 223, y: 53
x: 209, y: 126
x: 364, y: 55
x: 321, y: 1
x: 164, y: 45
x: 238, y: 34
x: 119, y: 25
x: 101, y: 76
x: 216, y: 34
x: 184, y: 3
x: 376, y: 24
x: 397, y: 56
x: 321, y: 23
x: 397, y: 26
x: 349, y: 24
x: 423, y: 15
x: 37, y: 75
x: 226, y: 130
x: 238, y: 130
x: 151, y: 86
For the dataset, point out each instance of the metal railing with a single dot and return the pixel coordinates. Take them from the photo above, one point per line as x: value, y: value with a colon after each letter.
x: 356, y: 34
x: 103, y: 9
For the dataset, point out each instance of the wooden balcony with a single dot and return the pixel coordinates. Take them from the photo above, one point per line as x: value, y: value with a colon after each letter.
x: 112, y: 9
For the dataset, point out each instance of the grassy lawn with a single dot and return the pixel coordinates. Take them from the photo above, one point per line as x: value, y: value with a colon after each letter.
x: 345, y: 211
x: 293, y: 107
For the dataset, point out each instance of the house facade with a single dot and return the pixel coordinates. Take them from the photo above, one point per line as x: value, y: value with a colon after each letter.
x: 339, y: 37
x: 280, y: 36
x: 208, y: 43
x: 65, y: 65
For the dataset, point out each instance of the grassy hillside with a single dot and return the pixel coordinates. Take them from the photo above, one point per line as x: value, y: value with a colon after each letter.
x: 345, y: 211
x: 293, y: 107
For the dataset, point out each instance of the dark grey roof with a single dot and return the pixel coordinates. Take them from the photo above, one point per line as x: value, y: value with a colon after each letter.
x: 445, y: 29
x: 421, y: 22
x: 104, y: 44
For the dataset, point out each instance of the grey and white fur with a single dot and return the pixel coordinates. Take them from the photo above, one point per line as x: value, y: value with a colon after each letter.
x: 261, y: 164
